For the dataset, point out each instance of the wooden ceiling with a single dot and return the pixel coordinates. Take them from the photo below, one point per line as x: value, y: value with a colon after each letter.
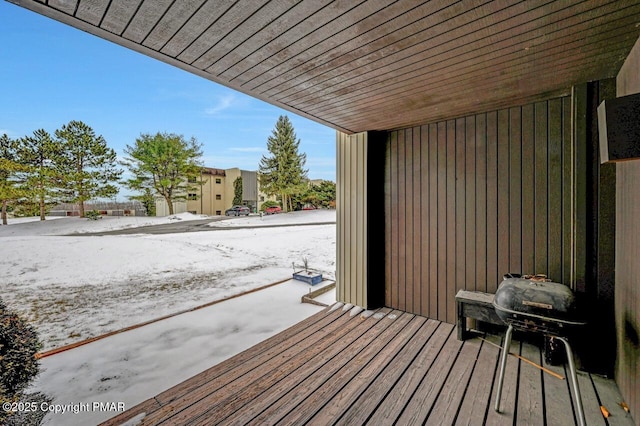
x: 375, y: 64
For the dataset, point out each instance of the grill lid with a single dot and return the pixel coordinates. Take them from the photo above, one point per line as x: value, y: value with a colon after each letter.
x: 531, y: 303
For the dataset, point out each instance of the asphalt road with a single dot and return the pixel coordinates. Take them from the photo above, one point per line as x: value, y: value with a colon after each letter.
x: 189, y: 226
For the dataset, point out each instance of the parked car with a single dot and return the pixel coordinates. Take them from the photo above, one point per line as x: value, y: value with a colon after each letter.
x: 237, y: 211
x: 272, y: 210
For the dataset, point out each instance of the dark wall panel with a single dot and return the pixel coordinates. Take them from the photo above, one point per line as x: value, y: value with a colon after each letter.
x: 627, y: 249
x: 474, y: 198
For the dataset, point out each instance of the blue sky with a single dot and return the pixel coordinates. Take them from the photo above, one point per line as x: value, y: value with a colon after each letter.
x: 51, y: 73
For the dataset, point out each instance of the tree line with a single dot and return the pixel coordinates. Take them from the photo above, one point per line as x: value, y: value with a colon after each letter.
x: 75, y: 165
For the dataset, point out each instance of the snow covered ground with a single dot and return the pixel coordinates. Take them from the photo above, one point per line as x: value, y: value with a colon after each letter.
x: 76, y: 287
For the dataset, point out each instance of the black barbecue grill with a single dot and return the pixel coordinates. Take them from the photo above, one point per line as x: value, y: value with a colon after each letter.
x: 535, y: 304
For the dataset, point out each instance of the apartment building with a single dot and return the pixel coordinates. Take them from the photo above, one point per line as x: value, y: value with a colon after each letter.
x: 216, y: 193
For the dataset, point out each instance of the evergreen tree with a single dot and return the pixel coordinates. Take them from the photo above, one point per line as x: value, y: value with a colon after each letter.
x: 321, y: 195
x: 166, y: 164
x: 87, y: 165
x: 148, y: 201
x: 40, y: 154
x: 19, y: 344
x: 283, y: 173
x: 9, y: 169
x: 237, y: 191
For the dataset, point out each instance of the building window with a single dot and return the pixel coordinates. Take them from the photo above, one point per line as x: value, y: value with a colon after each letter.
x: 192, y: 196
x: 218, y: 197
x: 218, y: 212
x: 192, y: 179
x: 218, y: 180
x: 261, y: 198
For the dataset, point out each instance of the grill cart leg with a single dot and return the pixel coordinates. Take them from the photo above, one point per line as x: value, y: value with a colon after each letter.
x: 574, y: 381
x: 503, y: 365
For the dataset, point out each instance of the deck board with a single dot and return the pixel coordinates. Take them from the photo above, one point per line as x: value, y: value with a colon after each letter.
x: 609, y: 397
x: 530, y: 402
x: 266, y: 370
x: 559, y: 411
x: 418, y: 407
x: 343, y: 367
x: 452, y: 393
x: 475, y: 404
x: 301, y: 330
x: 366, y: 378
x: 432, y: 336
x: 314, y: 389
x: 508, y: 400
x: 263, y: 350
x: 361, y: 366
x: 592, y: 413
x: 394, y: 403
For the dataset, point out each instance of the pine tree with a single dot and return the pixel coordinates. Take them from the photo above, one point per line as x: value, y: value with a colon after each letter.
x: 283, y: 172
x: 40, y: 154
x: 237, y: 191
x: 148, y: 201
x: 87, y: 165
x: 320, y: 195
x: 166, y: 164
x: 9, y: 169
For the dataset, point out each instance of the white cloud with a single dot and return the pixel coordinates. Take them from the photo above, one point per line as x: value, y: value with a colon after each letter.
x: 224, y: 102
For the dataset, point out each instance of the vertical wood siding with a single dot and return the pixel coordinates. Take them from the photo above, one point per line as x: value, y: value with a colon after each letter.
x: 351, y: 201
x: 470, y: 199
x: 627, y: 265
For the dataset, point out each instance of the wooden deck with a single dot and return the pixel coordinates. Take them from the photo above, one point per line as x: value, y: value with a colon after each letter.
x: 383, y: 367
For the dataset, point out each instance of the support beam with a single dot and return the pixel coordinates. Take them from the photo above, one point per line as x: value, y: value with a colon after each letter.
x: 360, y: 218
